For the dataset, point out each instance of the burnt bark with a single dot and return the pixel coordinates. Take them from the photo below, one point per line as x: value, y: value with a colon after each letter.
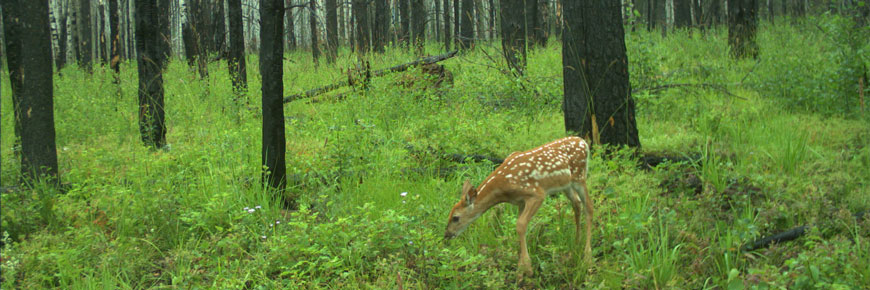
x: 682, y: 13
x: 115, y: 42
x: 447, y: 35
x: 271, y: 60
x: 513, y: 36
x: 152, y: 126
x: 405, y: 22
x: 315, y: 41
x: 456, y: 16
x: 598, y: 104
x: 331, y: 31
x: 236, y: 56
x: 12, y: 29
x: 466, y: 39
x: 290, y: 28
x: 363, y: 31
x: 418, y: 25
x: 84, y: 35
x: 63, y: 34
x: 742, y: 24
x: 382, y: 25
x: 35, y: 108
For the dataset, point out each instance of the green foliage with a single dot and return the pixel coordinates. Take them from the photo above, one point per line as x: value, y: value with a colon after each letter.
x: 775, y: 153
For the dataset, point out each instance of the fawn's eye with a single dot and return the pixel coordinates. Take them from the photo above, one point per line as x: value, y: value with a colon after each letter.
x: 455, y: 219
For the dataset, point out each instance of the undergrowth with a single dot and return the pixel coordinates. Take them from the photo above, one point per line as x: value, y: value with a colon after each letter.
x: 781, y: 142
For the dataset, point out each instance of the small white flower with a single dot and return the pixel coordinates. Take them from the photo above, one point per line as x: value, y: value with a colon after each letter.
x: 251, y: 210
x: 411, y: 242
x: 263, y: 237
x: 246, y: 208
x: 258, y: 207
x: 403, y: 194
x: 277, y: 222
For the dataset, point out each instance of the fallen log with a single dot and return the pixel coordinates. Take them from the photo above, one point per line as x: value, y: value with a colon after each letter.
x: 377, y: 73
x: 788, y: 235
x: 785, y: 236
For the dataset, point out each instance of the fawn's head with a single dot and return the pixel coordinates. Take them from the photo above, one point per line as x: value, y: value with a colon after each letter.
x: 462, y: 213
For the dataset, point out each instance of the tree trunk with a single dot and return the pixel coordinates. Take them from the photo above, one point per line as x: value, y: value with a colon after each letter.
x: 456, y: 16
x: 104, y: 55
x: 492, y: 27
x: 598, y: 103
x: 36, y: 104
x: 531, y: 21
x: 418, y: 23
x: 14, y: 34
x: 149, y: 47
x: 696, y: 13
x: 466, y: 38
x: 651, y: 14
x: 513, y: 37
x: 382, y: 24
x: 682, y: 13
x: 312, y: 21
x: 405, y: 22
x: 236, y: 55
x: 742, y: 23
x: 85, y: 41
x: 271, y: 70
x: 63, y: 34
x: 447, y: 33
x: 291, y: 26
x: 437, y: 30
x: 164, y: 30
x: 331, y: 31
x: 220, y: 29
x: 114, y: 35
x: 360, y: 14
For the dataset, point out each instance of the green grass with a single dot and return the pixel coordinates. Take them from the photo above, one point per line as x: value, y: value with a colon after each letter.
x: 194, y: 215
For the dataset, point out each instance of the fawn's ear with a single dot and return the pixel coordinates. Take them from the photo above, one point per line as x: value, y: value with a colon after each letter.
x: 469, y: 192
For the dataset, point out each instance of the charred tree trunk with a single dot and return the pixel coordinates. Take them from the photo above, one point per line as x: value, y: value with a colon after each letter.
x: 531, y: 25
x: 467, y: 34
x: 360, y: 15
x: 114, y: 35
x: 219, y: 37
x: 315, y: 41
x: 331, y: 31
x: 104, y: 55
x: 742, y: 23
x: 682, y: 13
x: 149, y: 49
x: 165, y: 31
x: 13, y: 34
x: 405, y: 22
x: 36, y: 106
x: 85, y: 56
x: 598, y: 104
x: 271, y: 60
x: 291, y: 26
x: 382, y: 25
x: 418, y: 25
x: 63, y: 34
x: 513, y: 36
x: 236, y: 55
x: 447, y: 35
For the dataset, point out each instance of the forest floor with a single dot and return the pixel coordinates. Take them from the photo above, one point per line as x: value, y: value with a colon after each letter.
x: 778, y: 142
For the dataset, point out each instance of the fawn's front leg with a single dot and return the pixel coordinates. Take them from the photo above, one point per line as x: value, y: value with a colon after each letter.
x: 530, y: 207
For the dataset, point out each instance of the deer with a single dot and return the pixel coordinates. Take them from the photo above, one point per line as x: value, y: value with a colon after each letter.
x: 525, y: 179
